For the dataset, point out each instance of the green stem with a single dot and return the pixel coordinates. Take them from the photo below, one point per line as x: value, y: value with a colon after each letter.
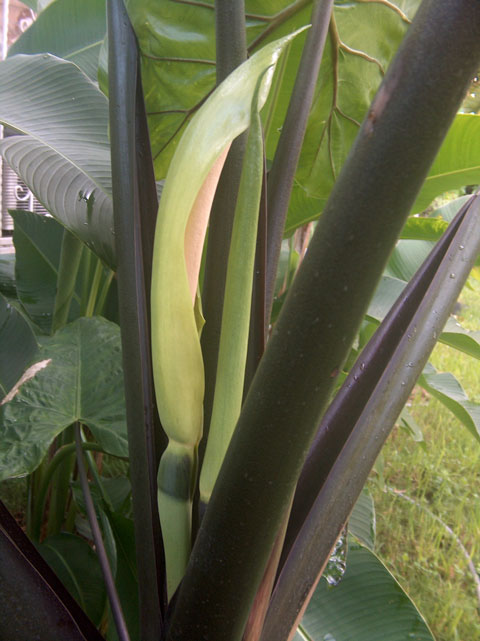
x: 41, y: 495
x: 70, y: 257
x: 97, y: 277
x: 61, y: 486
x: 86, y: 266
x: 102, y: 296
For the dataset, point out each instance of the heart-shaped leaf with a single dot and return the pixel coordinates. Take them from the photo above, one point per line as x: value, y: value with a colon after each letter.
x: 78, y: 377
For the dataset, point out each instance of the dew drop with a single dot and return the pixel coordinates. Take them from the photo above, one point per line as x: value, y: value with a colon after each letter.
x: 452, y: 275
x: 460, y: 247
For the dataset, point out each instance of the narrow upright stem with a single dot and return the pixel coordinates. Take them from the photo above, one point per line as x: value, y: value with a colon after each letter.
x: 117, y: 612
x: 284, y: 165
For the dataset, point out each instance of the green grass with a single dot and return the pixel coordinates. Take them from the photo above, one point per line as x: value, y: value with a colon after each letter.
x: 443, y: 480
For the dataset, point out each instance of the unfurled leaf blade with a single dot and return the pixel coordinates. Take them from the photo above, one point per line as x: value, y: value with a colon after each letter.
x: 367, y: 605
x: 446, y: 388
x: 79, y: 377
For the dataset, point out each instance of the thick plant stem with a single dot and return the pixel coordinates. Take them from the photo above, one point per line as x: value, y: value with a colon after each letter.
x: 350, y: 470
x: 362, y: 220
x: 280, y: 180
x: 348, y: 404
x: 134, y: 316
x: 70, y: 256
x: 230, y: 53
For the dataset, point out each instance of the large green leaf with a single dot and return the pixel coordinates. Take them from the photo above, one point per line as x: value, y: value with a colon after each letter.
x: 445, y: 387
x: 457, y: 163
x: 80, y: 379
x: 37, y: 242
x: 17, y: 346
x: 366, y: 605
x: 77, y: 566
x: 70, y: 29
x: 64, y: 158
x: 178, y: 47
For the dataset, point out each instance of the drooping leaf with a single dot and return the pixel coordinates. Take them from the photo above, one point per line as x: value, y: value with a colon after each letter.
x: 17, y: 346
x: 70, y: 29
x: 76, y: 565
x: 67, y: 166
x: 367, y: 605
x: 37, y: 242
x: 446, y: 388
x: 80, y: 379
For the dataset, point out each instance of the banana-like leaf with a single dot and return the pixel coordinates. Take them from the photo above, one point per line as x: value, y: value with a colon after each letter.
x: 368, y: 604
x: 64, y: 158
x: 78, y: 376
x: 446, y: 388
x: 77, y: 566
x: 65, y: 191
x: 17, y: 346
x: 70, y: 29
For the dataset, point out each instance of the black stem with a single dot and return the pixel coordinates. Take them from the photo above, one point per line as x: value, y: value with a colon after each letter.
x: 133, y: 260
x: 280, y: 179
x: 117, y: 611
